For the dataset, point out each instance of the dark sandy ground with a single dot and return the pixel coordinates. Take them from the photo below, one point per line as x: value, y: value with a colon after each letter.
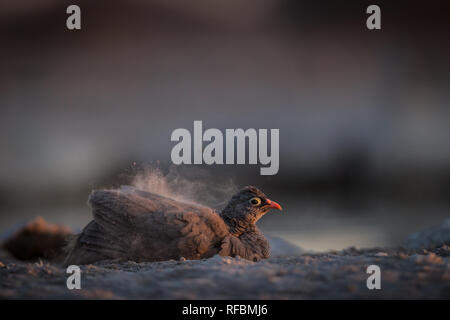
x: 419, y: 270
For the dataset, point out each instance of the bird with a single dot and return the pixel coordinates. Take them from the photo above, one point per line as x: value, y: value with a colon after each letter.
x: 134, y: 225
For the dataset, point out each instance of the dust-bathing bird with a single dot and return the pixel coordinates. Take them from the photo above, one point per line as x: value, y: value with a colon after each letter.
x: 131, y: 224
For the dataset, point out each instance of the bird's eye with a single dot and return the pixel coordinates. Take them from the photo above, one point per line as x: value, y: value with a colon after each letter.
x: 255, y: 201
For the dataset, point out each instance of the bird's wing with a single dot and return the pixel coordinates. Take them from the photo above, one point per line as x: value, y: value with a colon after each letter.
x: 141, y: 226
x: 251, y: 245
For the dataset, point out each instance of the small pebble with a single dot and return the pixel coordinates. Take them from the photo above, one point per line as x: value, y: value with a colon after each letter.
x: 430, y: 258
x: 381, y: 254
x: 402, y: 255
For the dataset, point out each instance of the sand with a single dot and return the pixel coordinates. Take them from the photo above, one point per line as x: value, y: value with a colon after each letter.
x: 421, y: 269
x: 337, y: 275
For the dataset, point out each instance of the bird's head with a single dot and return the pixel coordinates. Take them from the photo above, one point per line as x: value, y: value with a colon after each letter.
x: 248, y: 206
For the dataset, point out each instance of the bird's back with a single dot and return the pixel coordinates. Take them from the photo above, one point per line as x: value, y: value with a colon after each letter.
x: 130, y: 224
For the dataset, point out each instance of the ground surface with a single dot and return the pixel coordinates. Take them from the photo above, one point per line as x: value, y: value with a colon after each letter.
x: 417, y: 274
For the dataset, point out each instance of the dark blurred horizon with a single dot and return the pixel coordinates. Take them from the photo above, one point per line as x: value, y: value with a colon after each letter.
x: 363, y: 115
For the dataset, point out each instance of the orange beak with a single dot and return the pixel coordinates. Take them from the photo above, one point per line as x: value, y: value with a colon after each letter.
x: 273, y: 205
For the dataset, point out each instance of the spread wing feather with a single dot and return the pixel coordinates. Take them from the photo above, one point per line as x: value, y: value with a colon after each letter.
x: 130, y: 224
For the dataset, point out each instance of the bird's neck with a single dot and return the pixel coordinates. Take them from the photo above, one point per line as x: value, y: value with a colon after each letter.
x: 238, y: 226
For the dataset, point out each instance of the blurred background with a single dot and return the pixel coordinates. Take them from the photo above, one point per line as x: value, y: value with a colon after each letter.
x: 364, y: 116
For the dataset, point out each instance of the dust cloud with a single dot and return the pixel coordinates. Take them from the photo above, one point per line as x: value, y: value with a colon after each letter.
x: 193, y: 185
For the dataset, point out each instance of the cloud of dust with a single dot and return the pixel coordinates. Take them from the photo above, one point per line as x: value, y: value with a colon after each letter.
x: 190, y: 185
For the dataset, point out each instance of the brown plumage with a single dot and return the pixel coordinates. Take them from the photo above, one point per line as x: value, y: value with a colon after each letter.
x: 131, y: 224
